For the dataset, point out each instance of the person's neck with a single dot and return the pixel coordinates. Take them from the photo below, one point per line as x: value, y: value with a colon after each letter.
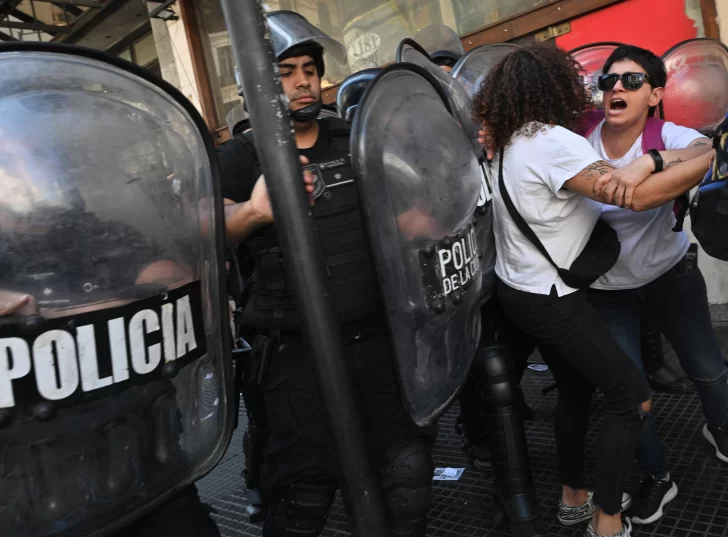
x: 306, y: 133
x: 618, y: 140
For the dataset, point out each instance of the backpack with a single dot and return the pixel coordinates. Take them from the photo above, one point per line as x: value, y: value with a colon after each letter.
x: 651, y: 139
x: 709, y: 208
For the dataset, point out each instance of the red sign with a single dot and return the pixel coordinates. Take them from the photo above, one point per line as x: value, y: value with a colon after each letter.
x: 656, y: 25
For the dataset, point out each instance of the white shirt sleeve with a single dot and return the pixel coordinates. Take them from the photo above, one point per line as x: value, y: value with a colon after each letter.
x: 677, y: 137
x: 564, y: 156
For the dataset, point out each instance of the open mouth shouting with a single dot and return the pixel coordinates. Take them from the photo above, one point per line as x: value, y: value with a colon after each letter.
x: 617, y: 105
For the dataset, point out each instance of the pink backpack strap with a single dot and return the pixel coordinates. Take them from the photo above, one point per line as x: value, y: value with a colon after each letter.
x: 589, y: 122
x: 652, y: 135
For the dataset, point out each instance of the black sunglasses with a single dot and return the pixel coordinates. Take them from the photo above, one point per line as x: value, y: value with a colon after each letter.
x: 630, y: 81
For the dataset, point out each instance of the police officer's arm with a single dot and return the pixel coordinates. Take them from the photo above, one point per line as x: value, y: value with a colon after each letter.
x: 242, y: 219
x: 247, y: 205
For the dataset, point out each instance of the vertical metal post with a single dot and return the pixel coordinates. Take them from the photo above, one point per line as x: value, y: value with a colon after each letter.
x: 278, y: 155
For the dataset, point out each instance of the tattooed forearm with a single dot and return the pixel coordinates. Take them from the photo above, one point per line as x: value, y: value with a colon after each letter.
x: 673, y: 162
x: 596, y: 170
x: 700, y: 143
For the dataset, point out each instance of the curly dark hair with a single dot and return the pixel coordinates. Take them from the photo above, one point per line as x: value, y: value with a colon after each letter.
x: 532, y: 86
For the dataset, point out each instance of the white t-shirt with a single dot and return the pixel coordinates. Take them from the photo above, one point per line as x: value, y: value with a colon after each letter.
x: 649, y: 245
x: 534, y: 171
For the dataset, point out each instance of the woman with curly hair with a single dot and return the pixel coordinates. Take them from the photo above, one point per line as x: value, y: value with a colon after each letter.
x: 529, y: 105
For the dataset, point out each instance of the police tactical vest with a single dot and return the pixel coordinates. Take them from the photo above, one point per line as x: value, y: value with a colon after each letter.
x: 341, y: 240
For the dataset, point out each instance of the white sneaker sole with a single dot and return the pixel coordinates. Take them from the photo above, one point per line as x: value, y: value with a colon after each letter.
x: 671, y: 494
x: 709, y: 437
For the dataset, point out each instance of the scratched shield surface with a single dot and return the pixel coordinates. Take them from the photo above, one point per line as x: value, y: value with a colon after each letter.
x: 110, y: 222
x: 420, y: 196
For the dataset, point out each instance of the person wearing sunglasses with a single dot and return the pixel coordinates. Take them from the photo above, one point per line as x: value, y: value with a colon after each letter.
x: 652, y: 270
x: 546, y: 212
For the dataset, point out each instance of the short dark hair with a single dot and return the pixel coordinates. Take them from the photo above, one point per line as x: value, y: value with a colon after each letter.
x: 648, y: 60
x: 307, y: 48
x: 532, y: 86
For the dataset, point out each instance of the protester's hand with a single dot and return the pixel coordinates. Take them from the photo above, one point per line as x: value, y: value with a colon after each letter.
x: 486, y: 139
x: 617, y: 187
x: 260, y: 201
x: 12, y: 303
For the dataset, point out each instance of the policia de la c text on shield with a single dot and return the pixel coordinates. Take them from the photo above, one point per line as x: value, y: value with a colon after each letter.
x: 115, y: 387
x: 490, y: 401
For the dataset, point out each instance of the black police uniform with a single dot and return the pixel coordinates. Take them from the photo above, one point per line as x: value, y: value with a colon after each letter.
x: 85, y: 249
x: 298, y: 473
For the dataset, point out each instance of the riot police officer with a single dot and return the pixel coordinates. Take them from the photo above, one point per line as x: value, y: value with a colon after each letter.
x: 114, y: 389
x: 443, y: 45
x: 298, y: 470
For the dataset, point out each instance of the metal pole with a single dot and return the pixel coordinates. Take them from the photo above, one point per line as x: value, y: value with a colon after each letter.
x: 278, y: 155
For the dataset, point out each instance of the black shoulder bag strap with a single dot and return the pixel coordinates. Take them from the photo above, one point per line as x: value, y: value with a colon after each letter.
x: 517, y: 218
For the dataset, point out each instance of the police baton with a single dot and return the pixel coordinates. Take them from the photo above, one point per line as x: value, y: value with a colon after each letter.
x: 278, y: 155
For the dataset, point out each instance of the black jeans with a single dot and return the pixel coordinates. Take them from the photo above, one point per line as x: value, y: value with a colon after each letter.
x: 581, y: 352
x: 677, y: 303
x: 182, y: 515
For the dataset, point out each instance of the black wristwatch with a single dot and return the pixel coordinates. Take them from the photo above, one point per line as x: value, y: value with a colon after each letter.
x: 659, y: 163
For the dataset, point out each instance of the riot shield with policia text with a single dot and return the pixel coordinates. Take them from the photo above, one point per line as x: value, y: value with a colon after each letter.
x: 115, y: 384
x: 488, y: 400
x: 419, y: 182
x: 409, y: 51
x: 254, y: 42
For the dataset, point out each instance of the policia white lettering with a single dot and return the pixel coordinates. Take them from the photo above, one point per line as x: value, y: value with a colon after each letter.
x: 459, y: 264
x: 106, y: 348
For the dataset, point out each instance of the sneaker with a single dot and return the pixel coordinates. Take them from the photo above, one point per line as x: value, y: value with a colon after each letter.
x: 650, y: 497
x: 718, y: 436
x: 568, y: 516
x: 626, y: 530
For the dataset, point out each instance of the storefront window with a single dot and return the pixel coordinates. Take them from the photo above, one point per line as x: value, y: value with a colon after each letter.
x: 369, y: 29
x: 145, y: 51
x: 471, y: 15
x: 218, y: 57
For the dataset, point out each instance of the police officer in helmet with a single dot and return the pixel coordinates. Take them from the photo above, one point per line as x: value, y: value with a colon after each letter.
x: 298, y: 471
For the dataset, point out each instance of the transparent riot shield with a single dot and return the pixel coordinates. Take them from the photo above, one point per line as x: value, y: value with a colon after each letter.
x: 460, y: 102
x: 592, y: 59
x: 697, y: 77
x: 115, y: 387
x: 475, y: 66
x: 419, y: 182
x: 441, y: 42
x: 409, y: 51
x: 352, y: 90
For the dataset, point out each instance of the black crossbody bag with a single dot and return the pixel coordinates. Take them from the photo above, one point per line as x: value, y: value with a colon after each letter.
x: 598, y: 256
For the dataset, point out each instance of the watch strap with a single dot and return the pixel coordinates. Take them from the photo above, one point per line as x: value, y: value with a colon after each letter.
x: 659, y: 163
